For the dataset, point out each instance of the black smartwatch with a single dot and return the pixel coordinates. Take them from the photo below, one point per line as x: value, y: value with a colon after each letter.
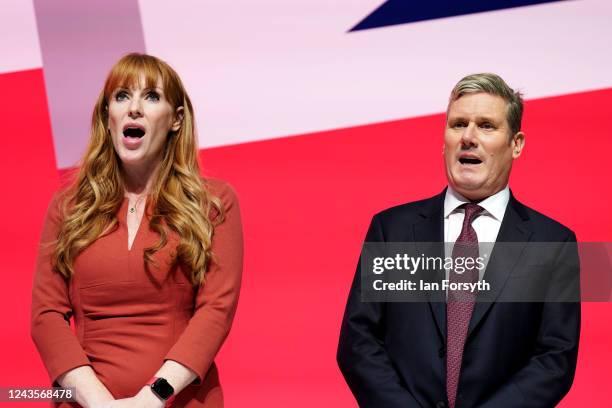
x: 162, y: 389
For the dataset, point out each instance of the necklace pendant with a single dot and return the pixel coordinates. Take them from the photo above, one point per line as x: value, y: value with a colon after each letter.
x: 132, y: 210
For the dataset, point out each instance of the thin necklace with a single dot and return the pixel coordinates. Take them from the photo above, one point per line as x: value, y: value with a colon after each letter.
x: 133, y: 208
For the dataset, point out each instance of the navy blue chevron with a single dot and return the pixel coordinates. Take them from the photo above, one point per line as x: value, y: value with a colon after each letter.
x: 394, y: 12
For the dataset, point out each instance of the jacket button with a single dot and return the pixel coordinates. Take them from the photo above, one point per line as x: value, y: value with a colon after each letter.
x: 440, y: 404
x: 442, y: 352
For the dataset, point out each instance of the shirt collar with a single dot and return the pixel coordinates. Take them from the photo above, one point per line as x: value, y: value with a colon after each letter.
x: 495, y: 205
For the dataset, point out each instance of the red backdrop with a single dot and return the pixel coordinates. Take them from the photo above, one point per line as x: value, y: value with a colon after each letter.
x: 306, y: 203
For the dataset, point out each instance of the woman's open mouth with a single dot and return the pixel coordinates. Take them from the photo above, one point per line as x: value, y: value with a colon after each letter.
x: 133, y: 135
x: 133, y: 132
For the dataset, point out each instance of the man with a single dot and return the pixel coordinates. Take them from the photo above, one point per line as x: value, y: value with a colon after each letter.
x: 449, y: 353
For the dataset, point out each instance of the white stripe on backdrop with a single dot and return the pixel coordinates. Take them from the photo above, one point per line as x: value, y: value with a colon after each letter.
x: 258, y: 70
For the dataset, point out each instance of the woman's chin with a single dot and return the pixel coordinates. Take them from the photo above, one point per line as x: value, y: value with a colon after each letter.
x: 132, y: 158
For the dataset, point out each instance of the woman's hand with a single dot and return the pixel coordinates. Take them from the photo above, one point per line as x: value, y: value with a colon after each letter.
x: 144, y: 399
x: 89, y: 390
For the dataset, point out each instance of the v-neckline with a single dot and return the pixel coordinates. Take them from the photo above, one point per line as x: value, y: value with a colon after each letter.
x: 127, y: 227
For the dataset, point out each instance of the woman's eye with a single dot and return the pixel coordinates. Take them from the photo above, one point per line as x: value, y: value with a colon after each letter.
x: 120, y: 96
x: 154, y: 96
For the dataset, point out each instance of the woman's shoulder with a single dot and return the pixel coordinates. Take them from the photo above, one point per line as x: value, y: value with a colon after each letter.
x: 56, y: 203
x: 64, y: 197
x: 221, y: 189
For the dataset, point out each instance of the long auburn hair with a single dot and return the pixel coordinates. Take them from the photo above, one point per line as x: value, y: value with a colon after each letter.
x: 179, y: 198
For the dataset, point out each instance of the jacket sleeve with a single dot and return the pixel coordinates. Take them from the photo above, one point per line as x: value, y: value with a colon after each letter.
x: 217, y: 298
x: 51, y: 307
x: 362, y: 356
x: 549, y: 374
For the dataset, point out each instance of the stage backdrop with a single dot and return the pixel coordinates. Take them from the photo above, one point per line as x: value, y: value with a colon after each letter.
x: 320, y: 113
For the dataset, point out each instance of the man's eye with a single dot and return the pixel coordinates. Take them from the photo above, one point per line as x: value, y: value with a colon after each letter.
x: 487, y: 126
x: 121, y: 96
x: 153, y: 96
x: 459, y: 125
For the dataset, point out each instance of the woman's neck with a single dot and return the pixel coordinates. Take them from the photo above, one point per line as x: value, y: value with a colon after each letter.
x: 139, y: 179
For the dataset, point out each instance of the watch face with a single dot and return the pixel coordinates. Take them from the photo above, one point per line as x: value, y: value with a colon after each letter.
x: 162, y: 388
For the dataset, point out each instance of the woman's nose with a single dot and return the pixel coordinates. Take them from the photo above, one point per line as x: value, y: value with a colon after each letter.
x: 135, y: 110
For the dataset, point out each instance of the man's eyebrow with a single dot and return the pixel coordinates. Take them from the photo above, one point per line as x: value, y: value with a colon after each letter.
x: 478, y: 118
x: 486, y: 119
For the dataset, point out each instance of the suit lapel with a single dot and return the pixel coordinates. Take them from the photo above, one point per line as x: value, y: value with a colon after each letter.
x: 514, y: 228
x: 428, y: 234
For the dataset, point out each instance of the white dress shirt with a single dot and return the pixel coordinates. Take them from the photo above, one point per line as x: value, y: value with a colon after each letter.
x: 486, y: 224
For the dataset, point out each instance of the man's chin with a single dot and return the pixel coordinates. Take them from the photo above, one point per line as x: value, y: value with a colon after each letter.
x: 467, y: 182
x: 471, y: 190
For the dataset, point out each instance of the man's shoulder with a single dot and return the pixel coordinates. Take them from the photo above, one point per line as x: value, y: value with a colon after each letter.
x: 546, y: 227
x: 413, y: 210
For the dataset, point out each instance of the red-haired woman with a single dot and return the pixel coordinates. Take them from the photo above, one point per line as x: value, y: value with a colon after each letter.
x: 144, y: 253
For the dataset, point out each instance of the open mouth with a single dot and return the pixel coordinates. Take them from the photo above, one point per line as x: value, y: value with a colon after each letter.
x: 469, y: 160
x: 133, y: 132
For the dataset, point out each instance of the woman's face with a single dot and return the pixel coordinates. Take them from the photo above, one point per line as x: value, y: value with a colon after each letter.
x: 139, y: 120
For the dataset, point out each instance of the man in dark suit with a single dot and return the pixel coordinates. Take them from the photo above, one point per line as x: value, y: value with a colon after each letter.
x: 486, y: 350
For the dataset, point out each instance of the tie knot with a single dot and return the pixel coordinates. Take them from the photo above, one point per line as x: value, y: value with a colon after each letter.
x: 471, y: 211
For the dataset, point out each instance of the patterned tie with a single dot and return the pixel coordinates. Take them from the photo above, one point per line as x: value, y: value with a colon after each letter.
x: 460, y: 304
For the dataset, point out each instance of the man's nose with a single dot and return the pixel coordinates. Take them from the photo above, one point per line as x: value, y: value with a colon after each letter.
x: 468, y: 137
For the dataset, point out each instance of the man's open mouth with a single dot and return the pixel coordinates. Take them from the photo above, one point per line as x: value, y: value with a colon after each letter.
x: 469, y: 160
x: 133, y: 132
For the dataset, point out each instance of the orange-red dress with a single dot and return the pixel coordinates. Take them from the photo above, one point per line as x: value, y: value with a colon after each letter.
x: 130, y: 319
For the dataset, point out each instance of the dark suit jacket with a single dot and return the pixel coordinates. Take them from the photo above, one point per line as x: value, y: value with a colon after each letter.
x: 516, y: 354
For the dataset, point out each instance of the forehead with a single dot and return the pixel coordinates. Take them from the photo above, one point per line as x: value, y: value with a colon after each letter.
x: 134, y: 77
x: 141, y: 82
x: 478, y: 105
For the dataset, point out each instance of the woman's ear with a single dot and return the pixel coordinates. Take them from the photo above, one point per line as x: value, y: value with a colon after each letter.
x: 178, y: 119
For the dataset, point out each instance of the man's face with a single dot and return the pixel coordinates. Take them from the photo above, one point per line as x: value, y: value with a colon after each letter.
x: 478, y: 149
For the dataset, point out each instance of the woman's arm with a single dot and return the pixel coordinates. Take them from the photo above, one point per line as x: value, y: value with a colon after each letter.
x: 59, y: 349
x: 217, y: 298
x: 175, y: 373
x: 89, y: 390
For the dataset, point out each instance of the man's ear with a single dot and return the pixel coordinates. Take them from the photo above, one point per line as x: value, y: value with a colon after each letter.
x: 178, y: 119
x: 517, y: 144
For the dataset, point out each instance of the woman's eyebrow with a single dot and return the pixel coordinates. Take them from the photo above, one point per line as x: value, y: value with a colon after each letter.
x: 153, y: 88
x: 120, y: 89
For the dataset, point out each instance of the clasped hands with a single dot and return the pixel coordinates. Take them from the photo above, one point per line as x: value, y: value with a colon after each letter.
x: 144, y: 399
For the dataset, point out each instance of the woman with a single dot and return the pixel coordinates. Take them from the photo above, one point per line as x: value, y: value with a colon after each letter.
x: 144, y: 253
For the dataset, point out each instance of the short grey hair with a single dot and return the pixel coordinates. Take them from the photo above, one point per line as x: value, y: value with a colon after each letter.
x: 492, y: 84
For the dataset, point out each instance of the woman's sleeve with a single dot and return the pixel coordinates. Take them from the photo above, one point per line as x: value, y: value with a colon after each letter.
x: 51, y: 307
x: 216, y: 300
